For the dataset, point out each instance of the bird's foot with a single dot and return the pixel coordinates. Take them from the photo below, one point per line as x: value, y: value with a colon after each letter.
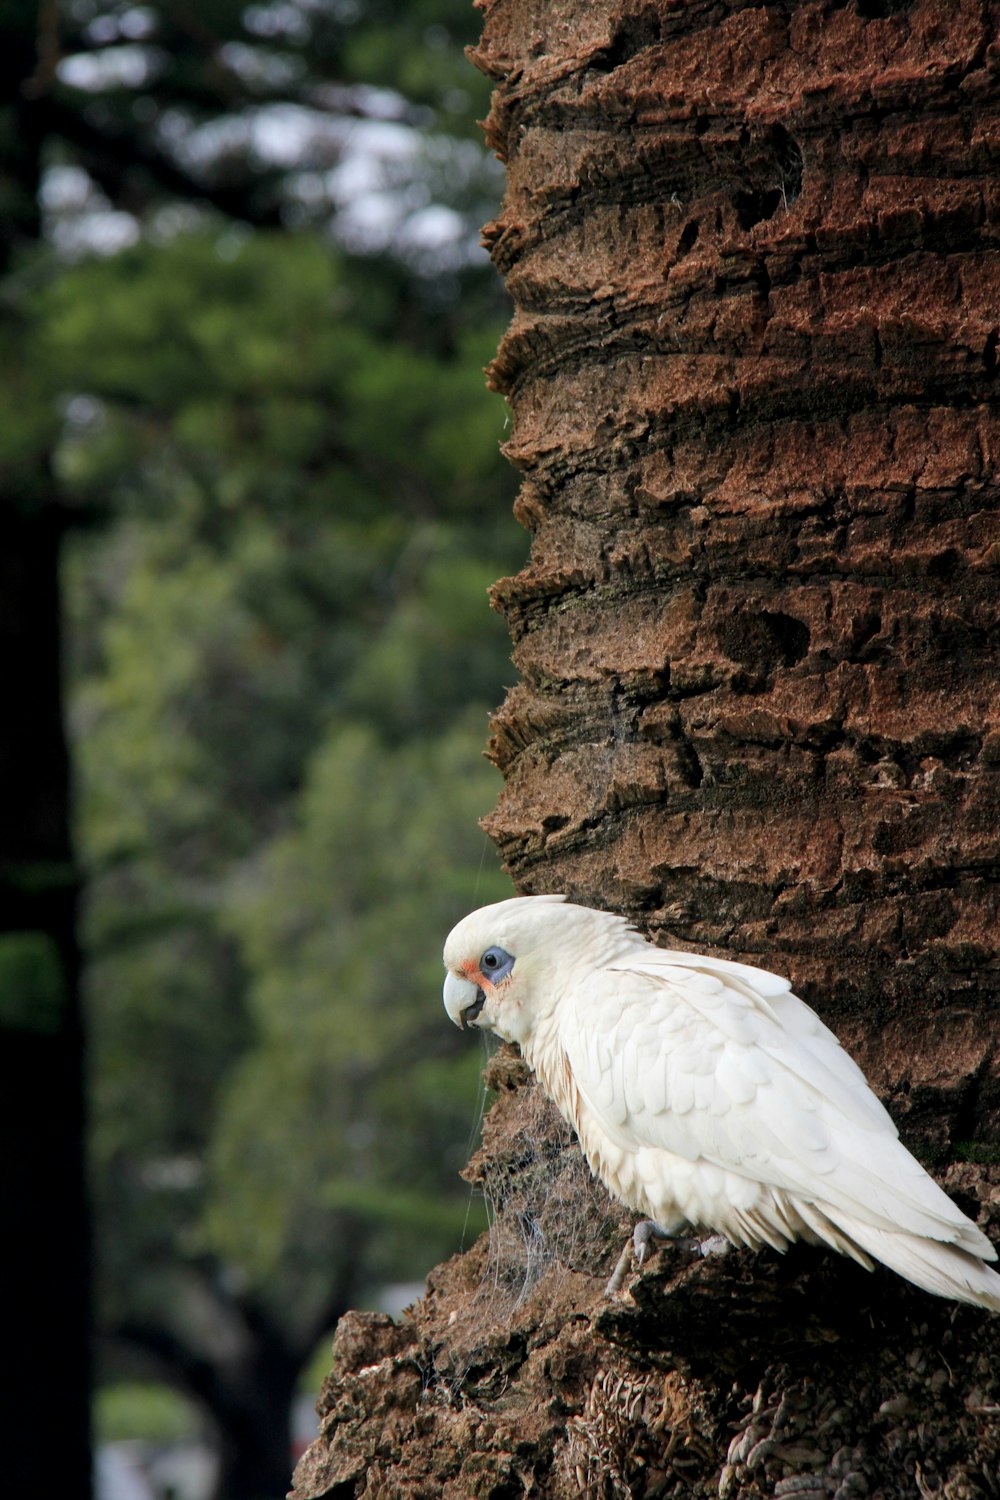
x: 715, y: 1244
x: 643, y: 1235
x: 645, y: 1231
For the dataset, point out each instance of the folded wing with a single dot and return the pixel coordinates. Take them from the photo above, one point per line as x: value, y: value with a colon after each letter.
x: 718, y: 1062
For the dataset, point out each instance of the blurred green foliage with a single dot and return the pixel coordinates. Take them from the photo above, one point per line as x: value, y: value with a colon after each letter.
x: 282, y: 665
x: 132, y: 1410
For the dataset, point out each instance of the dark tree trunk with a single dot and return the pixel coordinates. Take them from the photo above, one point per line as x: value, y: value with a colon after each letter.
x: 241, y: 1368
x: 43, y: 1245
x: 754, y: 255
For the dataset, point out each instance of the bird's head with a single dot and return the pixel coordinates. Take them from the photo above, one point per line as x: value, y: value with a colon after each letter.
x: 499, y: 960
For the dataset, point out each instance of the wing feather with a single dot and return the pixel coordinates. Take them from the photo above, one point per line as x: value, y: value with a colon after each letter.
x: 717, y: 1062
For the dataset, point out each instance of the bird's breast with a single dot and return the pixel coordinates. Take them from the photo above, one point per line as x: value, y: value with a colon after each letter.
x: 615, y: 1167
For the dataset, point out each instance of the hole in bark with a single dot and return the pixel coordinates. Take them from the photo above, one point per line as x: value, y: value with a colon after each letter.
x: 990, y: 353
x: 689, y: 767
x: 765, y: 640
x: 944, y: 564
x: 689, y: 235
x: 635, y: 33
x: 775, y: 161
x: 752, y: 208
x: 788, y: 159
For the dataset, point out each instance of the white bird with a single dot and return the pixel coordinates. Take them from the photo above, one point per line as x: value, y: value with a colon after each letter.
x: 705, y: 1094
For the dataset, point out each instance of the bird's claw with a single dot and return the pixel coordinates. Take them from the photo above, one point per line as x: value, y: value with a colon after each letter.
x: 648, y: 1230
x: 715, y: 1244
x: 640, y: 1242
x: 643, y: 1232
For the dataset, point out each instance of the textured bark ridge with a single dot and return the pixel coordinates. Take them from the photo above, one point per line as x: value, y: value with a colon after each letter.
x: 755, y: 259
x: 755, y: 256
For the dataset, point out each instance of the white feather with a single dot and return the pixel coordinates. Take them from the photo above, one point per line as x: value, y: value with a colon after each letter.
x: 705, y: 1092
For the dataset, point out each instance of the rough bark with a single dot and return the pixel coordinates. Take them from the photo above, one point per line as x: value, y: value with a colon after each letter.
x: 755, y: 264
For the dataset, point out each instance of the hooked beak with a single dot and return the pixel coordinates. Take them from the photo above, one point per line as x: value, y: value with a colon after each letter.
x: 463, y: 1000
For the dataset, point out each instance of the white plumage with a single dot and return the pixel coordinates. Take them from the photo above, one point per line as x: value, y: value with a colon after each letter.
x: 705, y: 1094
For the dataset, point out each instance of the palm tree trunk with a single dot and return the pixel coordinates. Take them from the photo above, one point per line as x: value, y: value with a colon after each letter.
x: 752, y: 372
x: 753, y: 254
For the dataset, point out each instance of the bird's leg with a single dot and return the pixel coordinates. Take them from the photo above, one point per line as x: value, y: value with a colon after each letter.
x: 620, y: 1271
x: 646, y: 1231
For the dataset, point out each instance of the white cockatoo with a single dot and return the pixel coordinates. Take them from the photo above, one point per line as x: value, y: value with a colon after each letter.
x: 705, y: 1094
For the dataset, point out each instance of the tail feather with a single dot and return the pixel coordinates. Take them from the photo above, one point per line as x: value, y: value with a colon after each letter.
x: 944, y: 1270
x: 820, y: 1228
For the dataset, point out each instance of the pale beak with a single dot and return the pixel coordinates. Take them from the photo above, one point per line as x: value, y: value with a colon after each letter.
x: 463, y: 1000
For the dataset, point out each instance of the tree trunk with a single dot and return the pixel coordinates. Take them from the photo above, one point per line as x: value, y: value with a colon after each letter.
x: 243, y: 1381
x: 238, y: 1363
x: 754, y: 259
x: 43, y: 1244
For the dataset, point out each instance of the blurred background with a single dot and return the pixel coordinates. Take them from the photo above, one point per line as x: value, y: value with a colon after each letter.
x: 244, y: 319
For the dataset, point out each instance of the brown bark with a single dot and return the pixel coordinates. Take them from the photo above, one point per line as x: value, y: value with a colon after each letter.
x: 755, y: 263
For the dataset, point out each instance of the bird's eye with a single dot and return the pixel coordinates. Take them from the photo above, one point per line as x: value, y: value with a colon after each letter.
x: 496, y: 961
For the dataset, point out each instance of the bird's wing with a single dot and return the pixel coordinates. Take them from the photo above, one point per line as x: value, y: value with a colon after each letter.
x: 719, y: 1062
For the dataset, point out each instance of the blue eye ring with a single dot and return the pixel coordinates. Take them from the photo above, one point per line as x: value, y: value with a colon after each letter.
x: 496, y: 961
